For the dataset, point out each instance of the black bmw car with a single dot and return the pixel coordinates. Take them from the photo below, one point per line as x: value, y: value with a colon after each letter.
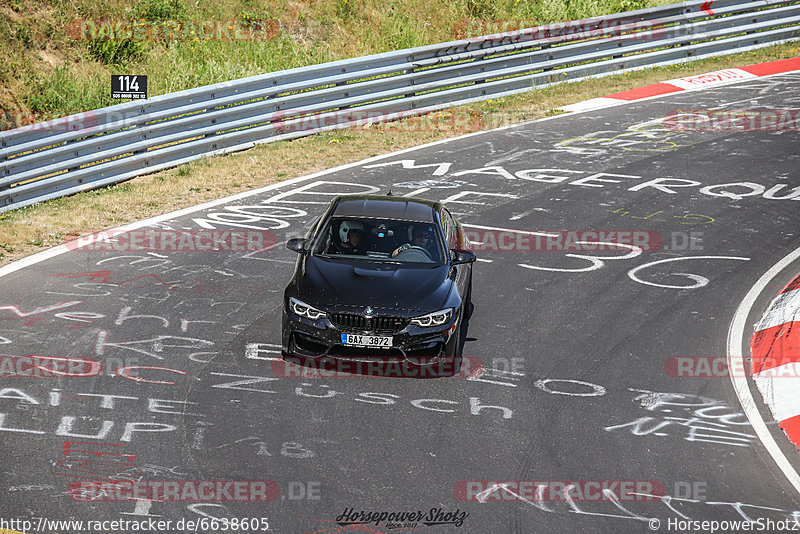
x: 379, y: 278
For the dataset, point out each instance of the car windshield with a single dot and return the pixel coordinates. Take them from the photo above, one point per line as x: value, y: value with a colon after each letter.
x: 380, y: 240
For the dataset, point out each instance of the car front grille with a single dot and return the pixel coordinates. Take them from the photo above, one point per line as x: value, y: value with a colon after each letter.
x: 351, y: 321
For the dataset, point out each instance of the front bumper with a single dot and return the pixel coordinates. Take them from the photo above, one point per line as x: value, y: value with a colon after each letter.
x: 321, y: 338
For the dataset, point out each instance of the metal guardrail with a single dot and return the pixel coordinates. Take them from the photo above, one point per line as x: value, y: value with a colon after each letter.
x: 113, y: 144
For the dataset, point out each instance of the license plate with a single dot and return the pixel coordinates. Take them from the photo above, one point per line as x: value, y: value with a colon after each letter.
x: 358, y: 340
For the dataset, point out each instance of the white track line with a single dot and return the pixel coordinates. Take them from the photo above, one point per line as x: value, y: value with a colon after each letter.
x: 734, y: 335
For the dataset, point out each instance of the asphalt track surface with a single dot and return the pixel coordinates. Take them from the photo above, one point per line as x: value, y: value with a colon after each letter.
x: 576, y: 386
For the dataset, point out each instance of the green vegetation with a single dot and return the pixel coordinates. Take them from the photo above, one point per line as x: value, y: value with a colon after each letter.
x: 58, y: 59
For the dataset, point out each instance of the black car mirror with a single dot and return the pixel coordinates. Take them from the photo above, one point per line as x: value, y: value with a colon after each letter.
x: 297, y: 244
x: 462, y: 256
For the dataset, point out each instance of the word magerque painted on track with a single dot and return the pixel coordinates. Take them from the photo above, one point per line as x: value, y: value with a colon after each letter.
x: 577, y: 178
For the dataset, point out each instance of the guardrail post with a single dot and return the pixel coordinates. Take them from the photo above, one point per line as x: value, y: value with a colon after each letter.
x: 212, y: 96
x: 412, y: 94
x: 70, y: 142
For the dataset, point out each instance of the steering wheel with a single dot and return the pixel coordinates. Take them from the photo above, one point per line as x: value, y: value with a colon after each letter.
x: 413, y: 249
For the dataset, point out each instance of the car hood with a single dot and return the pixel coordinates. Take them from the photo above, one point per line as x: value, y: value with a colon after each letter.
x: 341, y: 285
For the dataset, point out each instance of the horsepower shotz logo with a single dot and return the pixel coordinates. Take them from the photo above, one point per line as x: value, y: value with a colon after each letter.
x: 404, y: 519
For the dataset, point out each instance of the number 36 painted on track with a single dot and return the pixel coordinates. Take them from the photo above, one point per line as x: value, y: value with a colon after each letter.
x: 597, y: 263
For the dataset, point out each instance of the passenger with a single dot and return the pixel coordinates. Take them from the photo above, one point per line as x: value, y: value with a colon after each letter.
x: 351, y: 234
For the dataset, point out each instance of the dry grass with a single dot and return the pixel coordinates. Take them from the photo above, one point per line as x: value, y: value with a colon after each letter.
x: 28, y: 230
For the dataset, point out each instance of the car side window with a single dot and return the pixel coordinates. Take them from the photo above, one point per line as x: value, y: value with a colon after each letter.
x: 450, y: 231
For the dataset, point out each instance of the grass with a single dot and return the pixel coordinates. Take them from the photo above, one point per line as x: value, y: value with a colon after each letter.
x: 28, y: 230
x: 51, y: 66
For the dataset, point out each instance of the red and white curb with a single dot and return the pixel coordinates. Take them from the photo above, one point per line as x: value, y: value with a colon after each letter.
x: 775, y: 351
x: 690, y: 83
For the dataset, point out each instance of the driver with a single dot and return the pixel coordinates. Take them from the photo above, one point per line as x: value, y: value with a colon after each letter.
x: 420, y: 238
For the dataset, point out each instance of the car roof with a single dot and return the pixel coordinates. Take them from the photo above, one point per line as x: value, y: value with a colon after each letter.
x: 387, y: 207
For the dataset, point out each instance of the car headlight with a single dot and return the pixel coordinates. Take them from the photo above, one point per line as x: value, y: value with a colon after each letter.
x: 433, y: 319
x: 304, y: 310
